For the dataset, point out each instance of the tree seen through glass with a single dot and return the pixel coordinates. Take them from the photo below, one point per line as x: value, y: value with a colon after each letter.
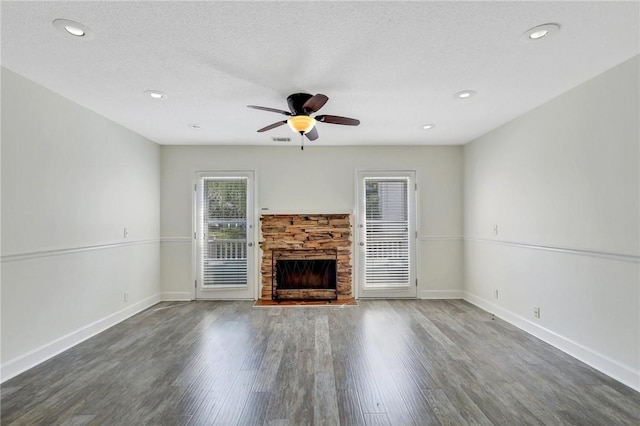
x: 226, y: 208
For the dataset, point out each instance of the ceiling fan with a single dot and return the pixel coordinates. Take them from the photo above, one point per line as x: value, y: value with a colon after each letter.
x: 302, y: 105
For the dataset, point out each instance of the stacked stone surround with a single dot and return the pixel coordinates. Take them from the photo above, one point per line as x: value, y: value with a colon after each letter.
x: 307, y: 232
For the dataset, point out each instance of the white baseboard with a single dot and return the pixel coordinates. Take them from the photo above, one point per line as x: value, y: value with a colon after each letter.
x: 440, y: 294
x: 176, y: 296
x: 37, y: 356
x: 606, y: 365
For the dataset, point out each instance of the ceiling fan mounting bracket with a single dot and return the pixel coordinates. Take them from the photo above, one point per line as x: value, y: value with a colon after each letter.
x: 296, y: 103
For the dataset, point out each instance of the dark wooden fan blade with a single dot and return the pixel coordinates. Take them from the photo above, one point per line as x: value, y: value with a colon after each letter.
x: 279, y: 111
x: 336, y: 119
x: 272, y: 126
x: 314, y: 103
x: 312, y: 134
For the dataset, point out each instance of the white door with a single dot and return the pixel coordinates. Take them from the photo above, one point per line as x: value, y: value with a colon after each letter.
x: 224, y: 235
x: 386, y: 234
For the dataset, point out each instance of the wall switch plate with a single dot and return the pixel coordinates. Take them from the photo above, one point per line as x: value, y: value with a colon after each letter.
x: 126, y: 297
x: 495, y: 294
x: 126, y: 232
x: 495, y: 229
x: 536, y: 312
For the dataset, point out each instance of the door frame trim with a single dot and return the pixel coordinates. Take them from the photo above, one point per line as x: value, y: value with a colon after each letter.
x: 252, y: 274
x: 414, y: 210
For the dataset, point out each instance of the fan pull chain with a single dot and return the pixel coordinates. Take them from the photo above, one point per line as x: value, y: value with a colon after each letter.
x: 301, y: 141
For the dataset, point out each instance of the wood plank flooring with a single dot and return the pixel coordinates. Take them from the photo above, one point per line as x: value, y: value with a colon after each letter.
x: 385, y: 362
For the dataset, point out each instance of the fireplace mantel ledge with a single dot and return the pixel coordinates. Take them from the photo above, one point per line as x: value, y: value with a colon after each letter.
x: 302, y: 212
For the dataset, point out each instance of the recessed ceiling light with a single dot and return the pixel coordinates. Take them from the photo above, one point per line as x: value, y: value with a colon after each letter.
x: 156, y: 94
x: 78, y: 32
x: 544, y: 30
x: 428, y: 126
x: 73, y: 28
x: 538, y: 34
x: 465, y: 94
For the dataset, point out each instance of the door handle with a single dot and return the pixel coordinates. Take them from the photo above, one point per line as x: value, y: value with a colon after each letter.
x: 361, y: 243
x: 250, y: 244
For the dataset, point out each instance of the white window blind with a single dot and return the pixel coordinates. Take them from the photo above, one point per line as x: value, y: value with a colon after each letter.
x: 224, y: 227
x: 386, y: 223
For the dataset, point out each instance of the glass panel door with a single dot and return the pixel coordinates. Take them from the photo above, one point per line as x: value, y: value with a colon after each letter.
x: 224, y: 235
x: 387, y: 234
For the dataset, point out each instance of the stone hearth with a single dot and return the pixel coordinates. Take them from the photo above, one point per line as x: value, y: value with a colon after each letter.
x: 307, y: 232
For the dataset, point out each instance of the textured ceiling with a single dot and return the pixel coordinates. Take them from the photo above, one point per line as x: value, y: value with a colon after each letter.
x: 393, y: 65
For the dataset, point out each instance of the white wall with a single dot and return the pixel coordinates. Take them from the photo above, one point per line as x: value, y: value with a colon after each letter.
x: 71, y: 182
x: 563, y: 185
x: 319, y: 179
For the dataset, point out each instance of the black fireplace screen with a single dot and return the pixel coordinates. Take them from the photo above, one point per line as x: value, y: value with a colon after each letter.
x: 306, y: 274
x: 308, y: 277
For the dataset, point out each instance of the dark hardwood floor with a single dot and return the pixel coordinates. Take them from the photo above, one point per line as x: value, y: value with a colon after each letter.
x: 386, y: 362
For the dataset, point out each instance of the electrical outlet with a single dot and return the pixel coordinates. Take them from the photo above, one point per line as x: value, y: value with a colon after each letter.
x: 495, y: 229
x: 126, y: 297
x: 536, y: 312
x: 126, y: 232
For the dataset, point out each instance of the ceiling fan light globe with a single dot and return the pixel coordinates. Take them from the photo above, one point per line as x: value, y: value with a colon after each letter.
x: 301, y: 123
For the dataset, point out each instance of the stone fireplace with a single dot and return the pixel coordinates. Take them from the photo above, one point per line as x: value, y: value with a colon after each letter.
x: 306, y: 256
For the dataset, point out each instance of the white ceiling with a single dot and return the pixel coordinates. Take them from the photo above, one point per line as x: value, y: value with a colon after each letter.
x: 393, y: 65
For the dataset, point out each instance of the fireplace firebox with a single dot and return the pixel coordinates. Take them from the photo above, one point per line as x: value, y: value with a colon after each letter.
x: 304, y: 274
